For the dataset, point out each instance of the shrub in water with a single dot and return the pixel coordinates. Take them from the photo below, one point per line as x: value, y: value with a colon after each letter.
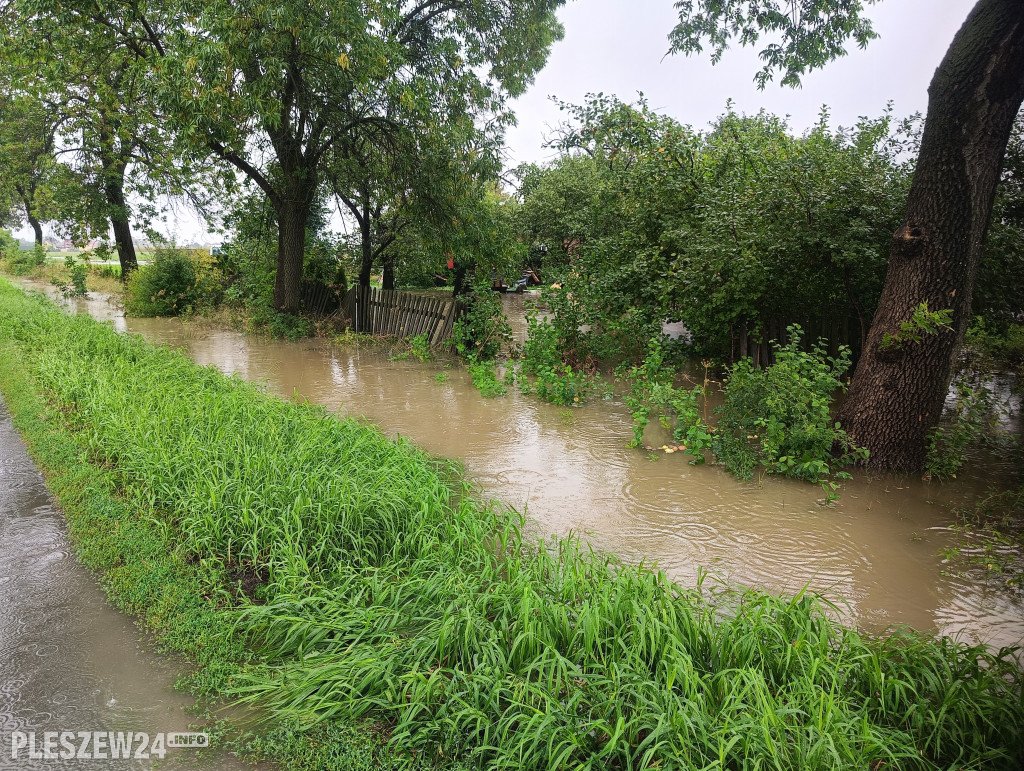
x: 76, y: 273
x: 480, y: 334
x: 178, y: 281
x: 777, y: 417
x: 484, y: 378
x: 553, y: 379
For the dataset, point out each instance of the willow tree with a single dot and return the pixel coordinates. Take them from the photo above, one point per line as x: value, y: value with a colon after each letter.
x: 902, y: 379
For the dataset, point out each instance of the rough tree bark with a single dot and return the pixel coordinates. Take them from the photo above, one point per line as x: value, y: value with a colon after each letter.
x: 897, y: 393
x: 291, y: 247
x: 293, y: 205
x: 366, y: 264
x: 27, y: 196
x: 388, y: 278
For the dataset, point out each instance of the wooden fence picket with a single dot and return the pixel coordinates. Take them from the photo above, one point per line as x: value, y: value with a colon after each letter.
x: 372, y: 311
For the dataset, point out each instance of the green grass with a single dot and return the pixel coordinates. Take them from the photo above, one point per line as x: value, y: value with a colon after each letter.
x: 148, y: 570
x: 367, y: 582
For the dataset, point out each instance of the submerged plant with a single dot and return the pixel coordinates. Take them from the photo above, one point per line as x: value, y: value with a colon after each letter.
x: 972, y: 422
x: 542, y: 371
x: 76, y: 275
x: 482, y: 332
x: 990, y: 535
x: 777, y: 418
x: 485, y: 379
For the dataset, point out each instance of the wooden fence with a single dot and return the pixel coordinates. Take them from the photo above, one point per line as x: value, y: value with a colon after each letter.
x: 320, y: 299
x: 840, y: 330
x: 402, y: 314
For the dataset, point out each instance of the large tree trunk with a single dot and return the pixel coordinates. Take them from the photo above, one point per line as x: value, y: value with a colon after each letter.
x: 291, y: 250
x: 388, y: 280
x: 125, y: 246
x: 114, y: 163
x: 293, y: 207
x: 898, y: 391
x: 28, y: 195
x: 366, y: 265
x: 113, y: 185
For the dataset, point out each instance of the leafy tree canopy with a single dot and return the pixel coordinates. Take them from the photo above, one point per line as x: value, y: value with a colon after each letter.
x: 728, y: 229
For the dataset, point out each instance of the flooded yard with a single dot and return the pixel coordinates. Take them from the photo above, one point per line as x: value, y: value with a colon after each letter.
x: 875, y: 553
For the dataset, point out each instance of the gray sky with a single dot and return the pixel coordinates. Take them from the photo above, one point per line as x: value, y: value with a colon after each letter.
x: 618, y: 47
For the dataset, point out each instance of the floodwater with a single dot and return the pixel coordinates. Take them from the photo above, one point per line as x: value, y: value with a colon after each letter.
x: 875, y: 553
x: 68, y: 661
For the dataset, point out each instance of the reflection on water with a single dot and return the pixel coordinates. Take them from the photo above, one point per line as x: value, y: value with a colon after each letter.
x: 876, y: 552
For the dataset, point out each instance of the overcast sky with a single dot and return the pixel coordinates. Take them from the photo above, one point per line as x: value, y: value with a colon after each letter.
x: 619, y: 47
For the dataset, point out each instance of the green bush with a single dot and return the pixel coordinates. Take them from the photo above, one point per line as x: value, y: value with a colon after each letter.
x: 178, y: 281
x: 543, y: 372
x: 17, y: 261
x: 485, y: 379
x: 74, y: 286
x: 481, y: 333
x: 995, y: 348
x: 9, y: 247
x: 777, y: 418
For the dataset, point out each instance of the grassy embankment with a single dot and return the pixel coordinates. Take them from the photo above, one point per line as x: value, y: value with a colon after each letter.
x: 332, y: 576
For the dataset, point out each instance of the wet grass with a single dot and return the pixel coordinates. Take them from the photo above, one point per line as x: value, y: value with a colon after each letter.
x: 385, y: 590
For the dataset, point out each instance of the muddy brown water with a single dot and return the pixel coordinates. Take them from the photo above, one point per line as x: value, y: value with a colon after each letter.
x: 69, y: 661
x: 875, y: 553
